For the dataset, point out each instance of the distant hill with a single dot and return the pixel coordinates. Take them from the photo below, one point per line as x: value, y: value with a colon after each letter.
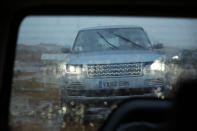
x: 32, y: 53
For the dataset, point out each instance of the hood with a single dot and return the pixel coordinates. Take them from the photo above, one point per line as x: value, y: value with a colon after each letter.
x: 107, y: 57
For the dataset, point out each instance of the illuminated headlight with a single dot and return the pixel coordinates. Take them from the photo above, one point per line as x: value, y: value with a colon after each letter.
x: 176, y: 57
x: 154, y: 67
x: 74, y: 69
x: 157, y: 66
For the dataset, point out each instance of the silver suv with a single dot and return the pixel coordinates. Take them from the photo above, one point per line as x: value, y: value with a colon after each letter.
x: 110, y: 64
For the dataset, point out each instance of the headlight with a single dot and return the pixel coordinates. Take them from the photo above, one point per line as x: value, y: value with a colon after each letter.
x: 73, y: 69
x: 176, y: 57
x: 157, y: 66
x: 154, y: 67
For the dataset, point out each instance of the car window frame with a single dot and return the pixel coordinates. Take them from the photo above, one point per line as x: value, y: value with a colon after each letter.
x: 19, y: 12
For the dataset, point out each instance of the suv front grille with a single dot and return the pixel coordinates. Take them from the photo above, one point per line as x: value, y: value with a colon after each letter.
x: 114, y: 70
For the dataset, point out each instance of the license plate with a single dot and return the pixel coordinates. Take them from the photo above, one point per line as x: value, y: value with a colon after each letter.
x: 112, y: 84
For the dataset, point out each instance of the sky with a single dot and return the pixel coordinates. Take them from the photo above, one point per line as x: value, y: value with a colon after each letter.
x: 62, y: 30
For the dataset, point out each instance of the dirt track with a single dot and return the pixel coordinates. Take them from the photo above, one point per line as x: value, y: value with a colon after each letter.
x: 39, y: 109
x: 35, y: 101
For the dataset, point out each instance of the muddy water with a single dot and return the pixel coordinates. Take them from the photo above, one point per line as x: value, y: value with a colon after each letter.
x: 39, y: 109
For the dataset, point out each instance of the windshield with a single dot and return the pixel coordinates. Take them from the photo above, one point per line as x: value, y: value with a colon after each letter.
x: 111, y: 39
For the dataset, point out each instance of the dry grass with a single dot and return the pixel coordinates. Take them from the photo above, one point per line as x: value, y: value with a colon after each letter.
x: 33, y: 84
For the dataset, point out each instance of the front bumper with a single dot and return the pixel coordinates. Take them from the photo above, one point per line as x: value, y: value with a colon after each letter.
x: 99, y: 100
x: 82, y: 82
x: 83, y: 88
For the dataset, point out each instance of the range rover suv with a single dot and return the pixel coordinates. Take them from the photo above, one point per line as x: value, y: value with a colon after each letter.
x: 109, y: 64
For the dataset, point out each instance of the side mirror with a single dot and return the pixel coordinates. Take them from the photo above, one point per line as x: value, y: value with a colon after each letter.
x: 158, y: 46
x: 65, y: 49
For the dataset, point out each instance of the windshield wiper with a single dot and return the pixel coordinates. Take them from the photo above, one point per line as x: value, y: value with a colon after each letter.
x: 126, y: 39
x: 111, y: 45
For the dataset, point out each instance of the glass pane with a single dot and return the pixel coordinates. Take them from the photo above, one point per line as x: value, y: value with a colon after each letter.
x: 71, y: 71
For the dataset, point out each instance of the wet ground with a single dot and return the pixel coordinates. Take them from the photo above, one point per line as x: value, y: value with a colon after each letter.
x: 35, y: 101
x: 39, y: 109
